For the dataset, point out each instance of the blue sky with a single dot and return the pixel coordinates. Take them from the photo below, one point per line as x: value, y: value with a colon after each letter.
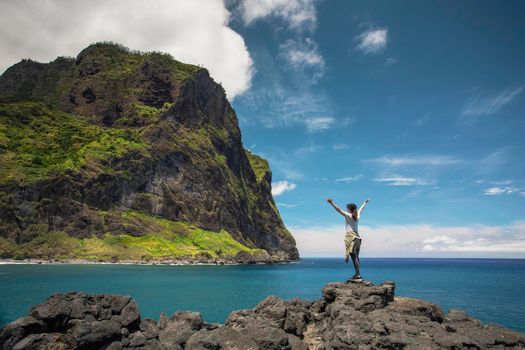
x: 418, y: 105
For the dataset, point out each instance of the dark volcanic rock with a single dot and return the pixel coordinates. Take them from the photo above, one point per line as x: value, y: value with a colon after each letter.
x: 221, y: 338
x: 352, y: 315
x: 177, y: 329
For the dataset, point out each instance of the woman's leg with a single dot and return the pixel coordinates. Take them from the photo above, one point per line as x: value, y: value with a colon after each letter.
x: 355, y: 260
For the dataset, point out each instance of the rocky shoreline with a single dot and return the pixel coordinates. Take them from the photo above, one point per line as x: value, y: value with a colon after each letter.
x: 167, y: 262
x: 351, y: 315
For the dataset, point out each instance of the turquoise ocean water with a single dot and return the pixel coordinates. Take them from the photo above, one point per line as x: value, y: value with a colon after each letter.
x: 492, y: 290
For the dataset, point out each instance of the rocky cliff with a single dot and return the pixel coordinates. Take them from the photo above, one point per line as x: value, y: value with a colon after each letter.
x: 352, y: 315
x: 123, y: 155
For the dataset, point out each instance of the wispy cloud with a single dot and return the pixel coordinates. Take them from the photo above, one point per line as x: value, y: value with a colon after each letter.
x: 287, y: 205
x: 498, y: 191
x: 286, y: 97
x: 429, y: 159
x: 418, y: 240
x: 403, y: 181
x: 496, y: 182
x: 280, y: 187
x: 287, y: 104
x: 349, y: 178
x: 302, y: 151
x: 422, y: 120
x: 300, y: 54
x: 281, y: 165
x: 502, y: 182
x: 481, y: 105
x: 439, y: 239
x: 298, y: 14
x: 319, y: 124
x: 372, y: 41
x: 340, y: 146
x: 390, y: 61
x: 304, y: 56
x: 493, y: 161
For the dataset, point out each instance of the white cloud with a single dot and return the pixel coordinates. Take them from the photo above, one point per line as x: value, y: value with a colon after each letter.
x: 277, y: 105
x: 428, y: 248
x: 439, y: 239
x: 298, y: 14
x: 319, y: 124
x: 417, y: 241
x: 390, y: 61
x: 349, y: 178
x: 303, y: 56
x: 434, y: 160
x: 498, y: 191
x: 306, y: 150
x: 423, y: 120
x: 287, y: 205
x: 403, y: 181
x: 194, y: 31
x: 502, y: 182
x: 340, y: 146
x: 301, y: 53
x: 280, y: 187
x: 372, y: 41
x: 494, y: 160
x: 490, y: 104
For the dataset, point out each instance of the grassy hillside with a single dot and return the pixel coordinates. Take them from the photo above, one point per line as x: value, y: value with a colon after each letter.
x: 160, y: 240
x: 37, y: 142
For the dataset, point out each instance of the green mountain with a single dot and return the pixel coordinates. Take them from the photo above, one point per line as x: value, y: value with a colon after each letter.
x: 124, y: 155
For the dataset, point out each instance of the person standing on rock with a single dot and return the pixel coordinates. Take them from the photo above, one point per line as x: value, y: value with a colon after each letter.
x: 352, y: 238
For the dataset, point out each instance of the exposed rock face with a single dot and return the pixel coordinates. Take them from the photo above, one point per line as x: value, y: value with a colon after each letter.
x: 353, y: 315
x: 181, y: 157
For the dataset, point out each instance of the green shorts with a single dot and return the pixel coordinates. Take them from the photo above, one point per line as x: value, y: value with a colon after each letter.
x: 352, y: 244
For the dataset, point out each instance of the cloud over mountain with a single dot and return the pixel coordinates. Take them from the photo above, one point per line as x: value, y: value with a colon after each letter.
x: 192, y: 31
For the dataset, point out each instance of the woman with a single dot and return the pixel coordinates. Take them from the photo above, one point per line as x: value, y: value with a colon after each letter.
x: 352, y: 239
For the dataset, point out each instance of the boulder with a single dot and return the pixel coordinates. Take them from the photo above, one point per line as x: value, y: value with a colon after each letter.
x: 17, y: 330
x: 42, y: 341
x: 223, y: 338
x: 177, y: 329
x: 85, y: 334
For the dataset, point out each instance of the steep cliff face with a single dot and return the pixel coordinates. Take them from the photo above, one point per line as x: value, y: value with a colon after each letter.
x: 133, y: 145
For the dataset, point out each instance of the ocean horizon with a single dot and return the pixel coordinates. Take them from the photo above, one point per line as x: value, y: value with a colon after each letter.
x: 489, y: 289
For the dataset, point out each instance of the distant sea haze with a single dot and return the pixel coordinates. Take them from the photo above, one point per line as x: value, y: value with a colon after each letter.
x: 489, y: 289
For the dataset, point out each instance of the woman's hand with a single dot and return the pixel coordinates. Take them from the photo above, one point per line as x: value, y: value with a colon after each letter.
x: 367, y: 200
x: 329, y: 200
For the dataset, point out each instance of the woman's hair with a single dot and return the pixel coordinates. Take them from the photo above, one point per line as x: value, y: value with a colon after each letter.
x: 352, y: 207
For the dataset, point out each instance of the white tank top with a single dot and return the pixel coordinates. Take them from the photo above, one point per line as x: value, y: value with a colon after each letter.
x: 351, y: 224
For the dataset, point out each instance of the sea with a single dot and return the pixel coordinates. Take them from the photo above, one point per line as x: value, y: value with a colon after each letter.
x: 492, y: 290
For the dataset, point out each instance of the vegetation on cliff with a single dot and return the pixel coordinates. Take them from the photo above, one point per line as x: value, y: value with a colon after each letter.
x: 115, y: 135
x: 160, y: 239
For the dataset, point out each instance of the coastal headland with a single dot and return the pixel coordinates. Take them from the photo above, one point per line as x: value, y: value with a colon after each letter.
x: 124, y: 156
x: 350, y: 315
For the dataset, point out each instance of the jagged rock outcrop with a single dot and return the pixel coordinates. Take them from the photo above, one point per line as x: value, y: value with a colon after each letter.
x: 85, y: 141
x: 352, y: 315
